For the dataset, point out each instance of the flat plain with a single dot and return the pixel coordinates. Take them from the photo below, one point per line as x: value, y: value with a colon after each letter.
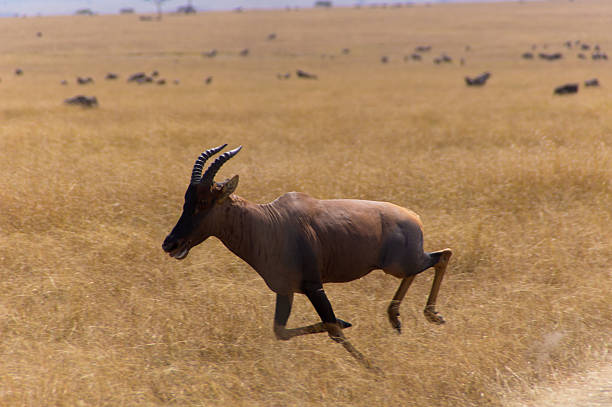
x: 517, y: 181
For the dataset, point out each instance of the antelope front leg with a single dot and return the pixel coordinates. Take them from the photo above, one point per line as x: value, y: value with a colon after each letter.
x: 281, y: 316
x: 319, y: 300
x: 430, y: 309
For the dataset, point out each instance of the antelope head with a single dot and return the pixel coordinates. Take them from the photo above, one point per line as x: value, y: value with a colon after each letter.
x: 203, y: 196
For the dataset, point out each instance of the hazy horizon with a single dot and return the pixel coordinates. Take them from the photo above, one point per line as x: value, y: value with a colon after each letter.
x: 45, y: 7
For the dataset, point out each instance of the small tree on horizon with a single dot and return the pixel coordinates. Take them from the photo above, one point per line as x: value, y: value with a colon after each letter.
x: 158, y: 4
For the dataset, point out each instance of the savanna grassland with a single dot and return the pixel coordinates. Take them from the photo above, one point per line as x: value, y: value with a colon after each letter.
x: 515, y: 180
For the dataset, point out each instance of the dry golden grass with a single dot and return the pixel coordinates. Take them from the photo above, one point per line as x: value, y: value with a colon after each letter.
x: 516, y: 181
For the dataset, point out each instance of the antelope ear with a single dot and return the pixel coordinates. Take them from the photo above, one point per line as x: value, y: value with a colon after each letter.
x: 228, y: 187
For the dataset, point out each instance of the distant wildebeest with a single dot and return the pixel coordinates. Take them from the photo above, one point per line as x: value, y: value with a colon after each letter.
x: 527, y: 55
x: 140, y: 78
x: 39, y: 34
x: 136, y: 76
x: 84, y: 81
x: 550, y: 57
x: 591, y: 82
x: 585, y: 47
x: 566, y: 89
x: 346, y: 51
x: 568, y: 44
x: 210, y: 54
x: 581, y: 56
x: 64, y: 82
x: 599, y: 56
x: 244, y: 52
x: 414, y: 56
x: 479, y: 80
x: 271, y: 36
x: 208, y: 80
x: 18, y: 71
x: 443, y: 59
x: 161, y: 82
x: 305, y: 75
x: 298, y: 243
x: 283, y: 75
x: 145, y: 18
x: 423, y: 48
x: 82, y: 101
x: 384, y: 59
x: 155, y: 74
x: 111, y: 76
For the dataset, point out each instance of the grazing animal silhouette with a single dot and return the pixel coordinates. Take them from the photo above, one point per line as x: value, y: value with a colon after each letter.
x: 566, y: 89
x: 591, y: 82
x: 479, y: 80
x: 81, y: 100
x: 210, y: 54
x: 305, y: 75
x: 298, y: 243
x: 140, y: 78
x: 550, y: 57
x: 599, y: 55
x: 443, y: 59
x: 84, y: 81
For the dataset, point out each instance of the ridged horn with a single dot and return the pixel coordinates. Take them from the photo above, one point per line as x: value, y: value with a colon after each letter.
x: 210, y: 173
x: 196, y: 173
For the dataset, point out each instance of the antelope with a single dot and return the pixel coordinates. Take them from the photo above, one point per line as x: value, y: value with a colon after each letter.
x: 297, y: 243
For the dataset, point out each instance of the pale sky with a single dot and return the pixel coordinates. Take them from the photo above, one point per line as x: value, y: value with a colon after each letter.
x: 45, y: 7
x: 32, y: 7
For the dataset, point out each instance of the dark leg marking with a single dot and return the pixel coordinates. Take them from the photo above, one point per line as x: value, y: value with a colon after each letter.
x: 319, y: 300
x: 281, y: 316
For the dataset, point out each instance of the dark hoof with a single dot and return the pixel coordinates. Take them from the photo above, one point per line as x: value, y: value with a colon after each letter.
x: 398, y: 328
x: 434, y: 317
x: 343, y: 324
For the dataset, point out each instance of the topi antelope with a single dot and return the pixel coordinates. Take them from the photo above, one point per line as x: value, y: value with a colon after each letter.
x: 298, y: 243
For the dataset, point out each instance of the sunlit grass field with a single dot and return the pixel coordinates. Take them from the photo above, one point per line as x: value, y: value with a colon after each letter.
x: 515, y: 180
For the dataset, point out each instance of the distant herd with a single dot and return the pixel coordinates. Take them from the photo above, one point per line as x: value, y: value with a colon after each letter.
x: 416, y: 56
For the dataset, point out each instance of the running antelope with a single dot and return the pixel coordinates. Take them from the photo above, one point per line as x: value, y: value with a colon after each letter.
x: 298, y: 243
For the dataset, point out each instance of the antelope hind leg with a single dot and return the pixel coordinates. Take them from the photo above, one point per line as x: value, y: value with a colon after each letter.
x: 430, y: 309
x: 393, y: 310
